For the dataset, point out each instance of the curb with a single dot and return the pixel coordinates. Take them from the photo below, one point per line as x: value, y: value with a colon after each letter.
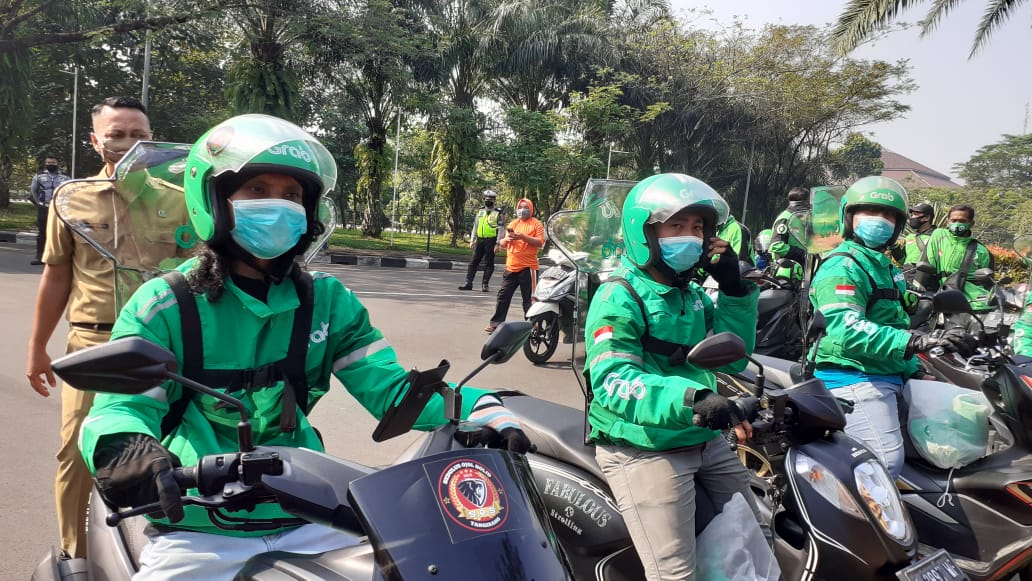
x: 395, y: 261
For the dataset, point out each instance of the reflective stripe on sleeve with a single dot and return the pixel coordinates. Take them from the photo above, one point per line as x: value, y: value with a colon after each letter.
x: 360, y: 353
x: 615, y: 355
x: 851, y: 306
x: 158, y: 303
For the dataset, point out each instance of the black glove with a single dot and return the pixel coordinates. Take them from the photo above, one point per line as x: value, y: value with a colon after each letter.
x: 134, y: 470
x: 712, y: 410
x: 952, y: 340
x: 726, y: 272
x: 498, y: 427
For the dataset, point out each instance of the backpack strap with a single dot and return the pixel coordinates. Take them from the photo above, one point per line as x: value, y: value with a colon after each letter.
x: 877, y: 294
x: 193, y: 348
x: 675, y: 352
x: 295, y: 391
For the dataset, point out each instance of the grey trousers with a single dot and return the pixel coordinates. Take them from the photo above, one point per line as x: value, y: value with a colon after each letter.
x: 656, y: 495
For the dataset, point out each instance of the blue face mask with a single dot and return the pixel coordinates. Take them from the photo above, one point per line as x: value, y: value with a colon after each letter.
x: 268, y: 228
x: 681, y: 252
x: 874, y: 231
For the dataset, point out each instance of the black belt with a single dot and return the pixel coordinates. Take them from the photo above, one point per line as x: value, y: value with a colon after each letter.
x: 101, y: 327
x: 479, y: 238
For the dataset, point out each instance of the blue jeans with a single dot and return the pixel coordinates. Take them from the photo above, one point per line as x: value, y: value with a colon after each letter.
x: 875, y: 420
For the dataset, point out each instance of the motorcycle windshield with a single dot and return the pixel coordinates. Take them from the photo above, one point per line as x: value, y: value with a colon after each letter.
x: 463, y: 514
x: 136, y: 219
x: 591, y: 238
x: 819, y: 230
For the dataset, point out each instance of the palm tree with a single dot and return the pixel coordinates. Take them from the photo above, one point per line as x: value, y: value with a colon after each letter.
x: 861, y: 18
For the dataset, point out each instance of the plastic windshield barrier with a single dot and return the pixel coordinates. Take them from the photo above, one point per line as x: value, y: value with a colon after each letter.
x: 592, y: 239
x: 136, y: 219
x: 1023, y: 246
x: 328, y: 216
x: 819, y: 230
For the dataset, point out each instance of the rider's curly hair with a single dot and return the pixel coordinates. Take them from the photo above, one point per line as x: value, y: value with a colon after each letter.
x: 209, y: 276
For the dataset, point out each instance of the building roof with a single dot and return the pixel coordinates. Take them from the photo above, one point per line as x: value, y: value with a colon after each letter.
x: 912, y: 174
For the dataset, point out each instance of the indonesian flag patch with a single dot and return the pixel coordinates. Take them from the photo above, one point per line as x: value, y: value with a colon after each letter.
x: 603, y: 334
x: 845, y: 289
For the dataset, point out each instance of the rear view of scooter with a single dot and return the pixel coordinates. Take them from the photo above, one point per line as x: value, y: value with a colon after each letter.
x: 552, y: 309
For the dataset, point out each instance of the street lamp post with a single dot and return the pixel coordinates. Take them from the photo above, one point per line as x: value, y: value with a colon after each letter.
x: 609, y: 161
x: 394, y: 209
x: 75, y: 112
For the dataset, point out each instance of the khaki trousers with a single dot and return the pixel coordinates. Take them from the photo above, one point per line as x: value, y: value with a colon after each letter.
x: 74, y: 482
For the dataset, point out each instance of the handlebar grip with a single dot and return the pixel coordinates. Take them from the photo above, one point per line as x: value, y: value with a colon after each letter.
x: 186, y: 477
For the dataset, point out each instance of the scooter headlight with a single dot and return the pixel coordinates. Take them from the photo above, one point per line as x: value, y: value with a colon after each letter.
x: 827, y: 485
x: 879, y: 493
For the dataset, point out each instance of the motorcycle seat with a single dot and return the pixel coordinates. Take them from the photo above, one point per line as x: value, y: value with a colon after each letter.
x: 556, y: 430
x: 780, y: 372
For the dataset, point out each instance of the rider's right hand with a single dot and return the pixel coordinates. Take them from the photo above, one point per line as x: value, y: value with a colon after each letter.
x: 951, y: 340
x: 134, y: 470
x: 714, y: 411
x: 38, y: 369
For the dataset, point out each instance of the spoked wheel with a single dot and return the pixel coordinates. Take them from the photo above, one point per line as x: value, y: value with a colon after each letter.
x: 544, y: 338
x: 759, y: 468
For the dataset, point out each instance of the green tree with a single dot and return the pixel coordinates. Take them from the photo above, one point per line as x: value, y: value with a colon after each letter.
x: 862, y: 18
x: 1005, y: 164
x: 858, y: 157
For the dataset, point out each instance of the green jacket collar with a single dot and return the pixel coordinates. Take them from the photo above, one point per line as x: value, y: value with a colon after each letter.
x: 634, y: 273
x: 282, y: 298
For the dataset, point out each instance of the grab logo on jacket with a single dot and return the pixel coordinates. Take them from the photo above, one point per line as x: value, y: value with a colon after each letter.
x: 320, y: 335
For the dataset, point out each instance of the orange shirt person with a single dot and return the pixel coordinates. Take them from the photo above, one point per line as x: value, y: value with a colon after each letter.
x: 524, y: 237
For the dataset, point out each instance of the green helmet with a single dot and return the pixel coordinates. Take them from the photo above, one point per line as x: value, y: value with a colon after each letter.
x: 654, y: 200
x: 242, y: 147
x: 763, y: 240
x: 874, y: 192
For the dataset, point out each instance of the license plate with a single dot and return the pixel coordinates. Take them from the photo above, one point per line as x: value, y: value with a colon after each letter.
x: 939, y: 566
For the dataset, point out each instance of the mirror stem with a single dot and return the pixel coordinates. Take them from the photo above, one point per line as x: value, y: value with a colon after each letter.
x: 457, y: 405
x: 760, y: 380
x: 244, y: 433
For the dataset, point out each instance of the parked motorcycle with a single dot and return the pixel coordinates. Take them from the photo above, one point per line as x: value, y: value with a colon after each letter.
x: 461, y: 514
x: 981, y: 514
x: 552, y: 309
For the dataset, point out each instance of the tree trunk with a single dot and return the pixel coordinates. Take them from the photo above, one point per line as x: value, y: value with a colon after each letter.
x: 6, y: 169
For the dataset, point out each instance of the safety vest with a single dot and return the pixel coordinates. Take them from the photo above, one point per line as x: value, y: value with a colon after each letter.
x: 487, y: 223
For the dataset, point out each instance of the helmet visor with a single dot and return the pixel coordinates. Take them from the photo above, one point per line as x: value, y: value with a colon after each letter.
x: 260, y: 139
x: 674, y: 192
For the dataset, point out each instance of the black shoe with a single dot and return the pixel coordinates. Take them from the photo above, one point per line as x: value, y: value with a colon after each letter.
x: 467, y: 286
x: 485, y: 289
x: 36, y: 262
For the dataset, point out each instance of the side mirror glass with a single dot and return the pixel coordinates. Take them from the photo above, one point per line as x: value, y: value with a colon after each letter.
x: 507, y: 339
x: 717, y: 351
x: 984, y: 275
x: 951, y: 302
x: 926, y: 268
x: 125, y: 366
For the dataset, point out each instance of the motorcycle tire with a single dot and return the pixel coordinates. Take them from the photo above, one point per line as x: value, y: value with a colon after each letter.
x: 544, y: 338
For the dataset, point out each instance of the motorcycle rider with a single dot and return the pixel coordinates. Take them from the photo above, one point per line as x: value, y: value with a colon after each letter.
x: 738, y: 236
x: 947, y: 250
x: 868, y: 352
x: 783, y: 243
x: 483, y: 241
x: 253, y: 185
x: 912, y: 248
x: 1023, y: 330
x: 762, y: 246
x: 656, y: 419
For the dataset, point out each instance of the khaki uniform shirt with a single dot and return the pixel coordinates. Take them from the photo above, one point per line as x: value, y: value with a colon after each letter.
x: 139, y: 232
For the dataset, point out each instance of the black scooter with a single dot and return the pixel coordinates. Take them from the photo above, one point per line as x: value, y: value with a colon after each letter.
x: 461, y: 514
x: 981, y: 513
x: 834, y: 511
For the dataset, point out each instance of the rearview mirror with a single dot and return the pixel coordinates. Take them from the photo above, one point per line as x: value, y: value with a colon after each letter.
x: 126, y: 366
x: 717, y: 351
x: 951, y: 302
x: 506, y: 340
x: 984, y: 275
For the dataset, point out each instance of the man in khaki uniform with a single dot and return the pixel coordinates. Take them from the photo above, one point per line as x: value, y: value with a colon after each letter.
x: 76, y: 276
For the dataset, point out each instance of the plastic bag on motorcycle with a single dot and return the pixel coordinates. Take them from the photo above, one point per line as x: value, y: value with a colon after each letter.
x: 948, y: 425
x: 732, y: 547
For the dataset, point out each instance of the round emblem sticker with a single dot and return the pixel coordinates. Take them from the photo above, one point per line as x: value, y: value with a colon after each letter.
x: 472, y: 496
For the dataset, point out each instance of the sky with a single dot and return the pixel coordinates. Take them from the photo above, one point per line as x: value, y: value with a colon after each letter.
x: 959, y: 105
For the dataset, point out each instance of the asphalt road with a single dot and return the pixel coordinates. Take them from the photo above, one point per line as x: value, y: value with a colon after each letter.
x: 419, y: 311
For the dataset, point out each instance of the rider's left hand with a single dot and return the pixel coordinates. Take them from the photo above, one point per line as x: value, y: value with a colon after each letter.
x: 725, y: 270
x: 490, y: 414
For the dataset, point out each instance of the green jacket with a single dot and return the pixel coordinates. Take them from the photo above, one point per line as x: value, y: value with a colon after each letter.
x: 909, y: 252
x: 239, y: 332
x: 731, y: 232
x: 871, y: 340
x: 1023, y: 330
x: 946, y: 252
x: 783, y: 244
x: 639, y: 397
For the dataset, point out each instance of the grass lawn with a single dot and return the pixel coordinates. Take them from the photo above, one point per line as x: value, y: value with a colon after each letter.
x: 404, y: 243
x: 18, y: 216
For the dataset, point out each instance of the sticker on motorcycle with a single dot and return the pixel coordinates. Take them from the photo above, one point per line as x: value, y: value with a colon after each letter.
x: 472, y: 497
